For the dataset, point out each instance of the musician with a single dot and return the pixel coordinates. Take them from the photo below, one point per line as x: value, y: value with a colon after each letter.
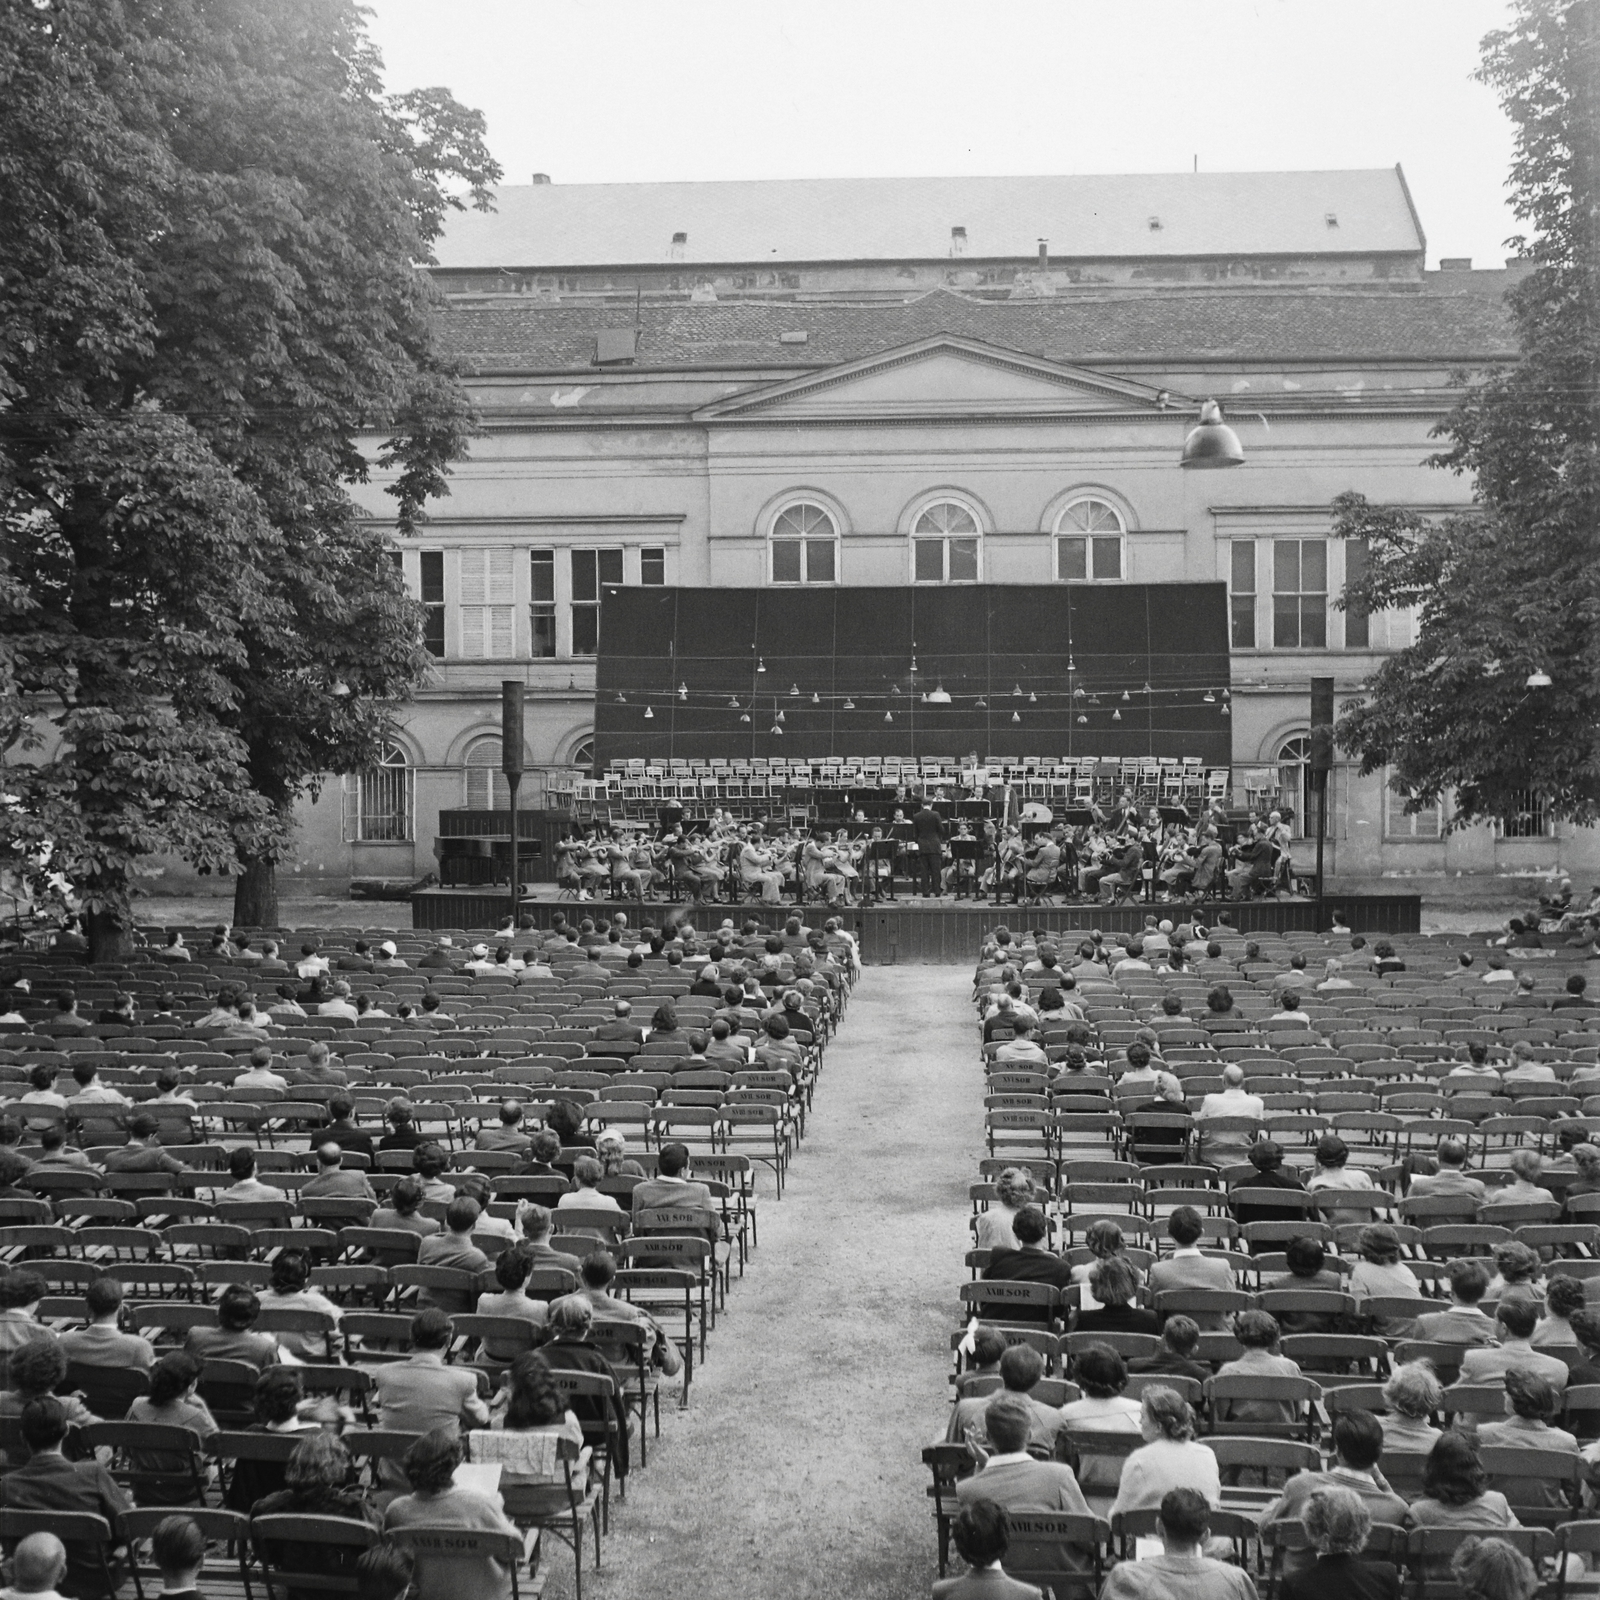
x: 757, y: 865
x: 1126, y: 870
x: 1040, y: 867
x: 927, y: 827
x: 815, y: 872
x: 620, y: 868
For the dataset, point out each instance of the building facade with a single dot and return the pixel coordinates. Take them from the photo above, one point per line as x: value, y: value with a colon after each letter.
x: 930, y: 382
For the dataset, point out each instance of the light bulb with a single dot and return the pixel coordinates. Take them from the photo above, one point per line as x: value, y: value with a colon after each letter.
x: 1082, y: 717
x: 779, y: 717
x: 1209, y: 698
x: 1070, y: 666
x: 1225, y: 711
x: 1016, y: 694
x: 1116, y: 716
x: 888, y: 716
x: 794, y: 691
x: 849, y: 705
x: 980, y: 704
x: 761, y: 665
x: 1126, y: 696
x: 745, y: 717
x: 1147, y: 688
x: 1077, y: 694
x: 683, y: 691
x: 622, y: 699
x: 816, y: 699
x: 733, y: 702
x: 649, y: 715
x: 1016, y: 716
x: 1033, y: 699
x: 777, y: 730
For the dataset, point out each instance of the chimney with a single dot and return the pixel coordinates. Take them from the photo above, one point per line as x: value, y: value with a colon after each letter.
x: 1044, y: 255
x: 958, y: 241
x: 541, y: 177
x: 1455, y: 263
x: 680, y: 244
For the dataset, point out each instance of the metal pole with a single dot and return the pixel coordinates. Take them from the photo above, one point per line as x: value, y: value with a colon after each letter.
x: 513, y: 783
x: 1321, y: 785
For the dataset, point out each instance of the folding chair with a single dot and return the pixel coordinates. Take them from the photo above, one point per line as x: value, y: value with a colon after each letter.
x: 299, y: 1553
x: 217, y: 1528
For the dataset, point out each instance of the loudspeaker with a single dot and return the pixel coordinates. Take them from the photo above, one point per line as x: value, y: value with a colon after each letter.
x: 511, y: 734
x: 1321, y: 726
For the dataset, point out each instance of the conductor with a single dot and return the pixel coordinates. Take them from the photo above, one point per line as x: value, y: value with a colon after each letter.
x: 927, y: 828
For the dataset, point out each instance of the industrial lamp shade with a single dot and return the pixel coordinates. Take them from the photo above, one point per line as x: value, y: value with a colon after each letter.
x: 1213, y: 443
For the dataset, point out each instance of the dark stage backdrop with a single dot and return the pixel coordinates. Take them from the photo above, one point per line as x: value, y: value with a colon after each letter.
x: 1072, y: 670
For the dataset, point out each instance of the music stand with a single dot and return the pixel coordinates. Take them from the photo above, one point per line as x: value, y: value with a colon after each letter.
x: 1178, y: 814
x: 964, y: 858
x: 881, y: 853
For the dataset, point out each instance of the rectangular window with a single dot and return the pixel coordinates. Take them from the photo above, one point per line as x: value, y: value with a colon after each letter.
x: 804, y: 560
x: 592, y: 570
x: 963, y: 561
x: 383, y: 804
x: 1080, y: 558
x: 1357, y: 625
x: 433, y: 602
x: 1424, y: 824
x: 1300, y: 594
x: 929, y: 560
x: 1242, y: 594
x: 488, y: 620
x: 653, y: 567
x: 542, y: 611
x: 1528, y: 820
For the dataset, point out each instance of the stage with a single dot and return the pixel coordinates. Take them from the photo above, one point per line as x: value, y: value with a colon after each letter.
x: 939, y: 931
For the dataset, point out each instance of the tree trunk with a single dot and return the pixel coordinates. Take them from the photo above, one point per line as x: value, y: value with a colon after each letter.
x: 255, y: 894
x: 110, y: 936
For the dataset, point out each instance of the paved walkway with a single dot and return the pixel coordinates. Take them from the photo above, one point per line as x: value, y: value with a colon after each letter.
x: 797, y: 1473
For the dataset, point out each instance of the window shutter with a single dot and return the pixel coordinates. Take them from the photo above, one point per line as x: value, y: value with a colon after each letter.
x: 472, y: 638
x: 350, y: 786
x: 499, y: 577
x: 501, y: 626
x: 474, y: 577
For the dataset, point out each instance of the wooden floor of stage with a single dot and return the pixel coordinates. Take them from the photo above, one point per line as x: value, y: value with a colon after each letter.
x: 934, y: 929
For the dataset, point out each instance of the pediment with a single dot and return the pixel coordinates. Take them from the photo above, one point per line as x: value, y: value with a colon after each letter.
x: 939, y: 377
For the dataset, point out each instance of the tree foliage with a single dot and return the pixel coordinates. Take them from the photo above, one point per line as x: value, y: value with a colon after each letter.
x: 212, y: 221
x: 1511, y: 588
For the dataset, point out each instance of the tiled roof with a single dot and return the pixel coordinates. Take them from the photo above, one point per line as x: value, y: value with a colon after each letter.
x: 778, y: 222
x: 1184, y: 325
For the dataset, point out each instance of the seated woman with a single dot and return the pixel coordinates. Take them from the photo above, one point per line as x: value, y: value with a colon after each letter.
x: 1258, y: 1333
x: 1337, y: 1524
x: 291, y: 1275
x: 1380, y: 1274
x: 1169, y: 1457
x: 1308, y: 1269
x: 319, y: 1484
x: 173, y: 1403
x: 1491, y: 1569
x: 511, y: 1270
x: 1456, y: 1494
x: 1105, y: 1239
x: 436, y: 1502
x: 1334, y: 1172
x: 1524, y: 1189
x: 35, y: 1370
x: 1115, y: 1284
x: 1533, y: 1402
x: 992, y: 1228
x: 569, y: 1349
x: 278, y: 1399
x: 1517, y: 1269
x: 530, y: 1428
x: 1413, y: 1394
x: 1102, y: 1375
x: 403, y: 1214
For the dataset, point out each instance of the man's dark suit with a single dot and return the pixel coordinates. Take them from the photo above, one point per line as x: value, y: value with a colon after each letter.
x: 928, y: 827
x: 1343, y: 1577
x: 50, y: 1483
x: 1027, y: 1265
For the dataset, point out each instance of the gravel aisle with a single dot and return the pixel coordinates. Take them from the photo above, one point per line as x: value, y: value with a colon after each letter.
x: 797, y: 1471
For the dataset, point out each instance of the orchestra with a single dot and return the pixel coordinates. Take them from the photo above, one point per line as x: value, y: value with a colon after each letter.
x: 978, y: 846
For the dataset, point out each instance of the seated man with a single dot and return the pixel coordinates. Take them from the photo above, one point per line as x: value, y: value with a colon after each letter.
x: 1182, y: 1571
x: 1180, y: 1339
x: 143, y: 1151
x: 49, y: 1482
x: 1223, y: 1147
x: 246, y: 1187
x: 332, y: 1182
x: 509, y: 1135
x: 1463, y: 1323
x: 259, y: 1074
x: 341, y: 1128
x: 1030, y: 1262
x: 421, y: 1393
x: 1357, y: 1445
x: 982, y: 1535
x: 103, y: 1343
x: 1488, y: 1364
x: 1022, y: 1047
x: 1021, y: 1367
x: 1187, y: 1268
x: 453, y: 1248
x: 1010, y: 1477
x: 1451, y: 1178
x: 599, y: 1273
x: 231, y: 1339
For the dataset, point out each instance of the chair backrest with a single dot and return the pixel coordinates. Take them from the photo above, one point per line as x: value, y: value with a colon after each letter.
x: 1046, y: 1546
x: 285, y: 1535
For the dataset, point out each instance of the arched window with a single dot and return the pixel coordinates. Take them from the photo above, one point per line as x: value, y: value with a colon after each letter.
x: 1294, y: 789
x: 378, y: 801
x: 486, y: 788
x: 583, y: 756
x: 1089, y: 536
x: 805, y: 545
x: 944, y: 544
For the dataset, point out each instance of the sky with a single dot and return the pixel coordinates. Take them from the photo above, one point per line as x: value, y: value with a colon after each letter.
x: 618, y: 91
